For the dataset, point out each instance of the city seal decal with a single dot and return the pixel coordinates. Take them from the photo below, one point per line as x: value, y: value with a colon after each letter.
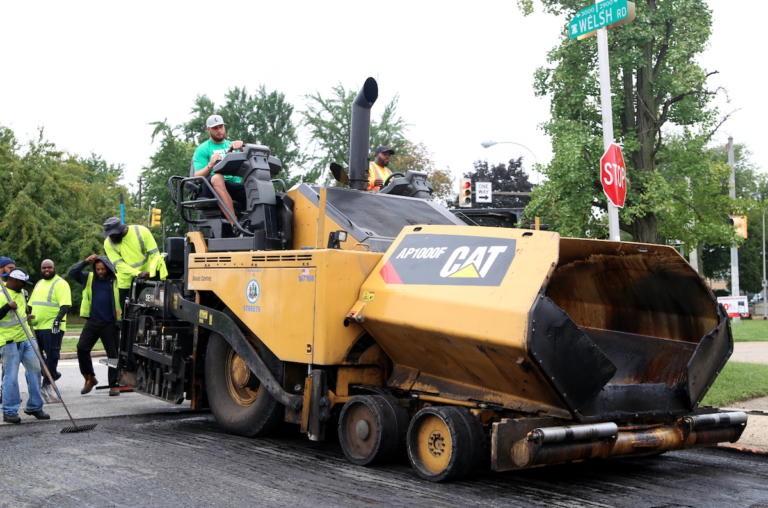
x: 252, y: 291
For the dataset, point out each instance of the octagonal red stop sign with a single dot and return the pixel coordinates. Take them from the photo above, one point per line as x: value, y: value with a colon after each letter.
x: 613, y: 175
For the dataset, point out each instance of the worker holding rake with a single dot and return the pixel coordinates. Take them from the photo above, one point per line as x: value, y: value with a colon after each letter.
x: 16, y: 349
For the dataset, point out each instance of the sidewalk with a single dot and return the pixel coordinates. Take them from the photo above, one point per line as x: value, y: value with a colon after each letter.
x: 750, y: 352
x: 755, y: 435
x: 96, y: 404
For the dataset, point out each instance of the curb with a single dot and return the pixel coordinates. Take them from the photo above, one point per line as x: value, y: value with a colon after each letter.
x: 743, y: 449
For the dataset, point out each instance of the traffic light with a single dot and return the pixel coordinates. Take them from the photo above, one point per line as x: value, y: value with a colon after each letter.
x: 740, y: 223
x: 465, y: 193
x: 154, y: 219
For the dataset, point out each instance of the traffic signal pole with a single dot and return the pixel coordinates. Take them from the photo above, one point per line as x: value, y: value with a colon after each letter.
x: 734, y: 249
x: 605, y: 99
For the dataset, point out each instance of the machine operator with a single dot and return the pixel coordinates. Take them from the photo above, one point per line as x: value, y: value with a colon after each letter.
x: 377, y: 170
x: 205, y: 158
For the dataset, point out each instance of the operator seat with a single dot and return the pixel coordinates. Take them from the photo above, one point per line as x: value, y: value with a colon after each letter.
x: 217, y: 225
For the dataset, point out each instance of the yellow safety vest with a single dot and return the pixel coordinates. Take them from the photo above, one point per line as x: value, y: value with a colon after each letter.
x: 85, y: 306
x: 46, y: 299
x: 376, y: 172
x: 135, y: 254
x: 10, y: 326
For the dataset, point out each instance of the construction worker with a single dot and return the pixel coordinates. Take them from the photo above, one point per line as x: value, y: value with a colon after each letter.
x: 133, y: 253
x: 377, y: 170
x: 101, y: 308
x: 6, y: 265
x: 16, y: 349
x: 50, y: 301
x: 205, y: 158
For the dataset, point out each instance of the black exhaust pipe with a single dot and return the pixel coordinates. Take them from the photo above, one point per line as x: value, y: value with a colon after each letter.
x: 359, y: 139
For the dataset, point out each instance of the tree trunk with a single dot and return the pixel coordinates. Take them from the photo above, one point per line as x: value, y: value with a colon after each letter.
x: 645, y: 229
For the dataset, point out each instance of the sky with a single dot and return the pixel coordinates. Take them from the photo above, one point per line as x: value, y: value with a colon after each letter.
x: 94, y: 74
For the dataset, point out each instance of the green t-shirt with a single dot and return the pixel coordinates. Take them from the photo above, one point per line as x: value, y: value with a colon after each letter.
x: 204, y: 153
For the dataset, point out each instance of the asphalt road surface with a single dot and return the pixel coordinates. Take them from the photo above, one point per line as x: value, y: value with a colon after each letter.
x: 184, y: 459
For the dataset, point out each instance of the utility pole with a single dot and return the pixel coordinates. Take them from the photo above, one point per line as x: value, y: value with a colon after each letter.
x: 139, y: 193
x: 765, y: 281
x: 734, y: 249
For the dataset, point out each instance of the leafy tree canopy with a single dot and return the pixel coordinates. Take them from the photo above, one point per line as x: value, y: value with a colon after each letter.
x: 53, y: 204
x: 661, y: 117
x: 328, y: 119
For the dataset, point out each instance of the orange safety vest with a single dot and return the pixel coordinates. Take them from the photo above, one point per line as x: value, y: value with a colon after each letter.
x: 376, y: 172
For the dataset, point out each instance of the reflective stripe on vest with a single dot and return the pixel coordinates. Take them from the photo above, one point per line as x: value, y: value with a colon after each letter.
x: 49, y: 303
x: 141, y: 245
x: 13, y: 321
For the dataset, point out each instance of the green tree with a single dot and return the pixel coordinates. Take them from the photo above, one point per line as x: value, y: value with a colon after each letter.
x: 751, y: 200
x: 173, y: 157
x: 53, y: 204
x: 262, y: 118
x: 416, y: 157
x: 658, y: 88
x: 329, y: 122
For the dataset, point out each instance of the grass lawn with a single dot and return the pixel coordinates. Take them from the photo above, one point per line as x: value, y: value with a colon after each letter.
x: 750, y: 330
x: 74, y: 328
x: 738, y: 381
x: 70, y: 345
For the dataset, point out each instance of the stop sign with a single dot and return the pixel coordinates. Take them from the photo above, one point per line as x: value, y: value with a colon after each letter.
x: 613, y: 175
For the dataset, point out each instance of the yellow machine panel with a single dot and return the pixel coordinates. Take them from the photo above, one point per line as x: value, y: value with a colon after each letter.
x: 295, y: 301
x: 450, y: 306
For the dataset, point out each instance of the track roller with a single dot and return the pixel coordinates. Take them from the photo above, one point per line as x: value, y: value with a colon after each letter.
x: 445, y: 443
x: 372, y: 429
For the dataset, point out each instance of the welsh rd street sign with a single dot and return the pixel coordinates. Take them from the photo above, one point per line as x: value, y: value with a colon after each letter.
x: 608, y: 13
x: 613, y: 175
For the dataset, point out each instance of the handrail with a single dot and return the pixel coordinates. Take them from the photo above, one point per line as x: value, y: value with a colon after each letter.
x: 202, y: 181
x: 279, y: 180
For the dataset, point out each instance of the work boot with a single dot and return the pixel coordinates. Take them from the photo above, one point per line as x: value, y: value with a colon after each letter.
x: 90, y: 382
x: 40, y: 415
x: 115, y: 390
x: 11, y: 418
x: 54, y: 399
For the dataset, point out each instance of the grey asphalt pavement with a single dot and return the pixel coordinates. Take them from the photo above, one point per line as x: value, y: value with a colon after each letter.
x: 187, y: 460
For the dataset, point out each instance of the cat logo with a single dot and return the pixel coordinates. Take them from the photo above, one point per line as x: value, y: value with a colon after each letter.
x: 475, y: 266
x: 449, y: 260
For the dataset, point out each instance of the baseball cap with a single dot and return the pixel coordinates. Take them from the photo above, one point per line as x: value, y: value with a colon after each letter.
x: 6, y: 261
x: 113, y: 226
x: 214, y: 120
x: 20, y: 274
x: 384, y: 149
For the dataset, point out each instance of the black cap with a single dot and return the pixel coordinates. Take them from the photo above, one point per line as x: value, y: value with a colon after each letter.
x: 113, y: 226
x: 384, y: 149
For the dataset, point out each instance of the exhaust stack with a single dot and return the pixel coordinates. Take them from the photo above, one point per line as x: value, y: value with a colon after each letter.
x: 359, y: 140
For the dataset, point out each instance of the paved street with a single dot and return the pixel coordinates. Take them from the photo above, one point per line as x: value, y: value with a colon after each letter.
x: 186, y: 460
x: 145, y: 452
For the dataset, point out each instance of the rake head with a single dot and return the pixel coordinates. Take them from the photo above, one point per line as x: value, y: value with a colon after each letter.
x: 78, y: 428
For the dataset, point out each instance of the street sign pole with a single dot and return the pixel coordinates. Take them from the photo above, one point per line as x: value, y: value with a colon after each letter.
x: 605, y: 99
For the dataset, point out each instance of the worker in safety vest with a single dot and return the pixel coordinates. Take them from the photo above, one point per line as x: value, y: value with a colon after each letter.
x: 16, y: 349
x: 50, y: 301
x: 377, y: 170
x: 133, y: 252
x: 101, y: 308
